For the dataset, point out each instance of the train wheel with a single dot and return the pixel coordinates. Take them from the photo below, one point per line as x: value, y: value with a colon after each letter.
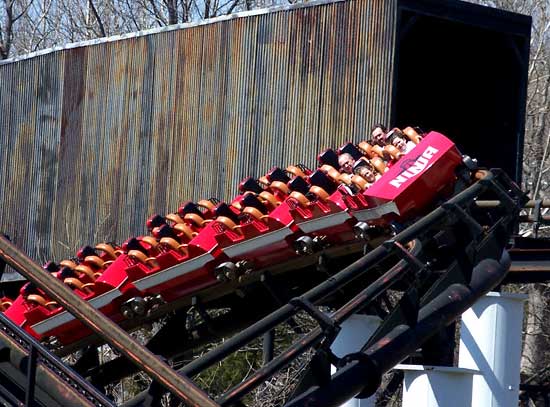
x: 226, y: 271
x: 304, y: 245
x: 126, y: 311
x: 139, y: 306
x: 361, y: 231
x: 219, y: 274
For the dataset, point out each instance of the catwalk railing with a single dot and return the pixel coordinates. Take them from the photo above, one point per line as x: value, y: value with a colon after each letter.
x: 32, y: 375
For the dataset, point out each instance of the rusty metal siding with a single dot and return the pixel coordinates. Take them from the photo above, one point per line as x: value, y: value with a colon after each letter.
x: 95, y: 138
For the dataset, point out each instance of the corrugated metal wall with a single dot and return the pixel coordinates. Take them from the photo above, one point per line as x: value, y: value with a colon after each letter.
x: 94, y: 139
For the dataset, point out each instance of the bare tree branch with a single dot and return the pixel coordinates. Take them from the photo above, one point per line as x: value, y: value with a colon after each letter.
x: 157, y: 14
x: 172, y: 8
x: 97, y: 18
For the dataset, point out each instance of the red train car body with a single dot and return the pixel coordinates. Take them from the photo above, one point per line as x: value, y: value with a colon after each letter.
x: 259, y: 240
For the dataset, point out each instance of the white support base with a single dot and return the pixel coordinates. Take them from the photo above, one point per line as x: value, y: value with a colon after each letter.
x: 356, y: 330
x: 437, y: 386
x: 490, y: 341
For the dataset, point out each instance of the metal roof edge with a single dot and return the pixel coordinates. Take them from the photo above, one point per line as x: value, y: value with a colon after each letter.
x: 137, y: 34
x: 471, y: 14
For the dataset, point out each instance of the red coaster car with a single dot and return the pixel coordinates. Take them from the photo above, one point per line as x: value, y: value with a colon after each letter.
x: 210, y: 242
x: 414, y: 181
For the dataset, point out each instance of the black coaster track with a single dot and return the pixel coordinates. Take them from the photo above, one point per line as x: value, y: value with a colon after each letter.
x: 442, y: 263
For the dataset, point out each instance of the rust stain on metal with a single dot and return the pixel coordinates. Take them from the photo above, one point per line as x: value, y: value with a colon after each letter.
x: 113, y: 132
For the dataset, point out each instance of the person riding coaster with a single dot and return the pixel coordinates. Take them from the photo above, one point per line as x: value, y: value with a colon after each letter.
x: 193, y: 248
x: 367, y: 171
x: 397, y: 139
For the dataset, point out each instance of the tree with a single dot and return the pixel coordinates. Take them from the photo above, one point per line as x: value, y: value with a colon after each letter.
x: 29, y: 25
x: 11, y: 11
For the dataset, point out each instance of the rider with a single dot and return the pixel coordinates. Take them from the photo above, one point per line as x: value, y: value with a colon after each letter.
x: 399, y: 141
x: 346, y: 162
x: 379, y: 134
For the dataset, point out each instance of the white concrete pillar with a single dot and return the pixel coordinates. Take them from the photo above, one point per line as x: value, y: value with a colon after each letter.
x: 355, y: 332
x: 490, y: 341
x: 436, y: 386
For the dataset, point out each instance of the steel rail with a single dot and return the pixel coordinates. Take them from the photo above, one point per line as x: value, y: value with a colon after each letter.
x: 363, y: 372
x: 282, y: 314
x: 486, y: 180
x: 526, y: 266
x: 545, y: 203
x: 275, y: 318
x: 200, y: 335
x: 348, y: 274
x: 355, y: 305
x: 533, y: 219
x: 313, y: 338
x: 13, y: 331
x: 179, y: 385
x: 217, y: 292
